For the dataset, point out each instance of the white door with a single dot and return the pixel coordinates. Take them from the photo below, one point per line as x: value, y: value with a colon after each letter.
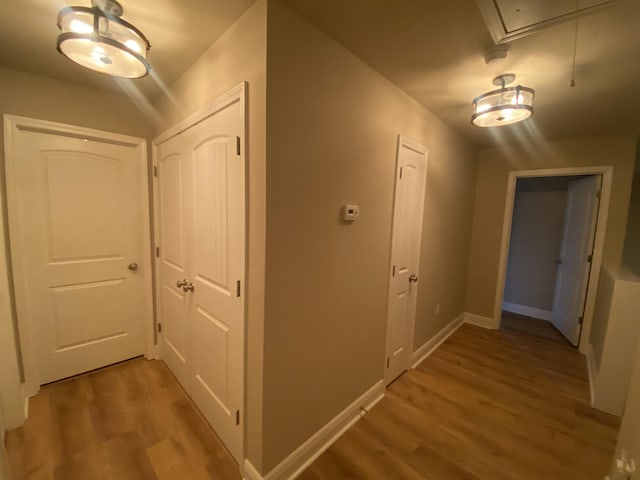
x: 202, y: 242
x: 581, y: 213
x: 411, y: 176
x: 78, y: 216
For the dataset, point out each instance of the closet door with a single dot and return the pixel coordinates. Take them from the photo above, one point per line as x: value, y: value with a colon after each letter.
x: 201, y: 217
x: 173, y: 173
x: 217, y: 270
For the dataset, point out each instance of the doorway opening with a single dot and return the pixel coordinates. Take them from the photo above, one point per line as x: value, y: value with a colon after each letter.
x: 578, y: 298
x: 551, y: 245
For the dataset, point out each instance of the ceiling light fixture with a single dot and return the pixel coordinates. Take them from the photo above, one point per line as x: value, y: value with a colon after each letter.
x: 504, y: 106
x: 98, y: 39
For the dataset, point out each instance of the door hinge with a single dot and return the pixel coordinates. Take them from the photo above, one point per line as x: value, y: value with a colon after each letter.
x: 388, y: 362
x: 237, y: 145
x: 237, y: 417
x: 158, y: 252
x: 393, y: 271
x: 400, y: 172
x: 580, y: 320
x: 159, y: 328
x: 599, y: 194
x: 590, y: 258
x: 238, y: 288
x: 155, y: 171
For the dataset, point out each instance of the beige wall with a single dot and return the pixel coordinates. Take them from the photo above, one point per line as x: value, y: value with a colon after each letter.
x: 332, y: 134
x: 44, y: 98
x: 631, y: 255
x: 239, y: 55
x: 491, y: 187
x: 536, y: 233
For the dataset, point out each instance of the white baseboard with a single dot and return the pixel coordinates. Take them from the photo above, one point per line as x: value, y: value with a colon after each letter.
x: 305, y: 454
x: 592, y: 367
x: 428, y: 348
x: 528, y: 311
x: 480, y: 321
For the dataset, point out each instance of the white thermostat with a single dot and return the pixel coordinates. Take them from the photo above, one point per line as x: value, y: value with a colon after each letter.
x: 350, y: 212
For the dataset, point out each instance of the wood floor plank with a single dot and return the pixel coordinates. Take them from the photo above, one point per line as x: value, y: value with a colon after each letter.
x: 126, y: 422
x: 508, y: 404
x: 496, y: 405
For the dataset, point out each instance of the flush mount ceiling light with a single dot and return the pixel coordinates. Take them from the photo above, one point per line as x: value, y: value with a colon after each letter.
x: 98, y: 39
x: 504, y: 106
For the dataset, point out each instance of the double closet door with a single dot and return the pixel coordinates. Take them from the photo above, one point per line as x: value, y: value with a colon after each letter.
x: 201, y: 240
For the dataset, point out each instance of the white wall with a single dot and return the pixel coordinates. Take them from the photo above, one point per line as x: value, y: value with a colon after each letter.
x: 629, y: 437
x: 613, y: 336
x: 536, y: 233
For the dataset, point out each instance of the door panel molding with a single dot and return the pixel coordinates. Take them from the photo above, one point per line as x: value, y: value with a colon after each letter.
x: 598, y: 246
x: 15, y: 125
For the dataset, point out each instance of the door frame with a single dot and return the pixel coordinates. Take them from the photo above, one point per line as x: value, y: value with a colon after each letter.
x: 236, y: 94
x: 598, y: 245
x: 17, y: 273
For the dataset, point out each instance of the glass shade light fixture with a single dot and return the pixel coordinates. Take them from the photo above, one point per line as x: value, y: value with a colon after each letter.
x: 99, y: 39
x: 504, y: 106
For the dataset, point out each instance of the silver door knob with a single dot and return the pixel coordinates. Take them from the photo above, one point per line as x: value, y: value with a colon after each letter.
x: 181, y: 283
x: 413, y: 278
x: 188, y: 287
x: 132, y: 266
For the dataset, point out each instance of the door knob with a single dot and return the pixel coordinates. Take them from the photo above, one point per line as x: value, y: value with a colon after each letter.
x: 413, y: 278
x: 181, y: 283
x: 133, y: 266
x: 188, y: 287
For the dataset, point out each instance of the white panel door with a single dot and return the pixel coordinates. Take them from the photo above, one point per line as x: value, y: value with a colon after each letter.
x: 202, y: 241
x: 580, y: 218
x: 411, y: 176
x: 76, y: 230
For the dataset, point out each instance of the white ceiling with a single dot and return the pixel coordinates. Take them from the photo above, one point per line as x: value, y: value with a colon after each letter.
x: 432, y: 49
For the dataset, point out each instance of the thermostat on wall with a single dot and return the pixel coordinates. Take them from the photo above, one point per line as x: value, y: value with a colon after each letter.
x: 350, y: 213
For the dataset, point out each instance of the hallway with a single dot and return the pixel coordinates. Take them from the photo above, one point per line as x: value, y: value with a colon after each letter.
x: 492, y: 405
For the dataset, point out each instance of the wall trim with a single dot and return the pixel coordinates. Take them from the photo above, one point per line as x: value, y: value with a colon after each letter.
x: 528, y: 311
x: 592, y: 368
x: 480, y: 321
x: 431, y: 345
x: 305, y: 454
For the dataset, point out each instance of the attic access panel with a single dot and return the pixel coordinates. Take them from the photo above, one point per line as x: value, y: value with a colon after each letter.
x: 511, y: 19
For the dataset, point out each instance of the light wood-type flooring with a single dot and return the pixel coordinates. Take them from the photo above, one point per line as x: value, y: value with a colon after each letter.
x: 509, y: 404
x: 131, y: 421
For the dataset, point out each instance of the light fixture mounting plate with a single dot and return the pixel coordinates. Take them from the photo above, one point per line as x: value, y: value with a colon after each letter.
x: 504, y: 79
x: 110, y: 7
